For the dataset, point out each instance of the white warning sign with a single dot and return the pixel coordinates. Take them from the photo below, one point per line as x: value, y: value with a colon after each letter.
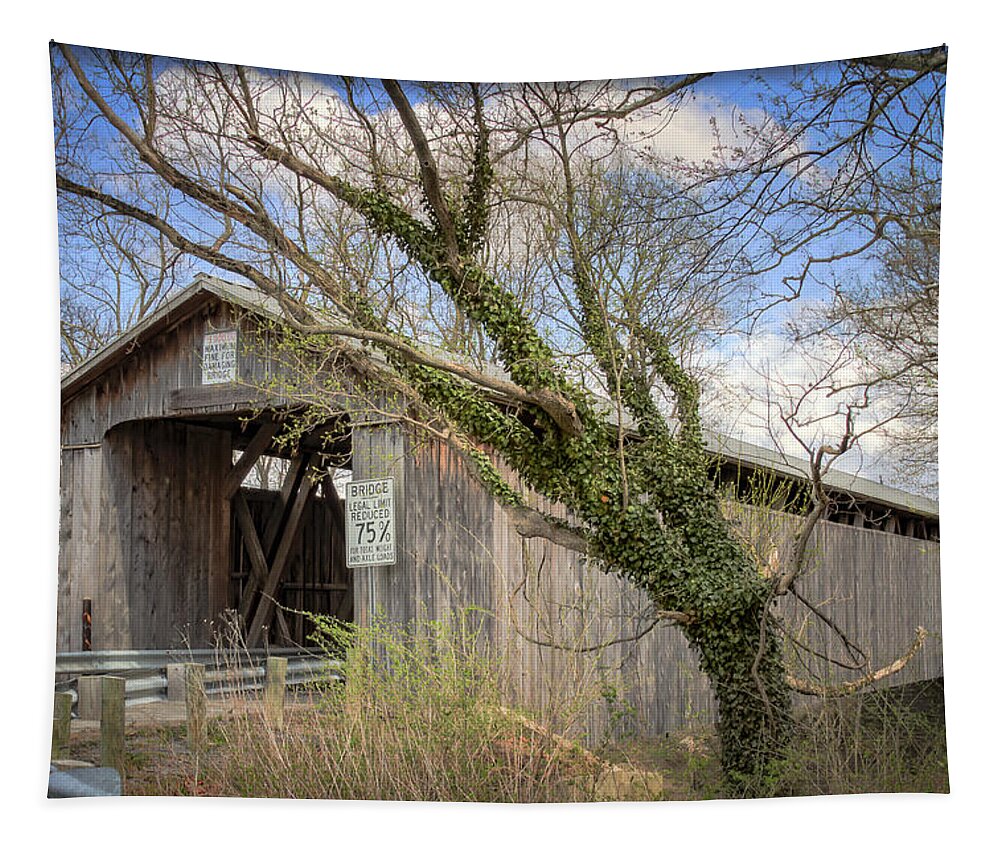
x: 370, y: 517
x: 218, y: 357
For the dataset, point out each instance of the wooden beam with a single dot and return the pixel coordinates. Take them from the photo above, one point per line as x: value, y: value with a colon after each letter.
x: 336, y: 511
x: 336, y: 508
x: 260, y: 443
x: 284, y: 549
x: 230, y: 396
x: 258, y: 563
x: 212, y: 398
x: 113, y: 723
x: 275, y: 522
x: 274, y: 525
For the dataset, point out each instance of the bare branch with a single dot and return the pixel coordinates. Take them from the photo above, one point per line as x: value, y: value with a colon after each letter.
x: 560, y: 409
x: 428, y: 167
x: 531, y: 523
x: 820, y: 501
x: 845, y: 689
x: 929, y: 61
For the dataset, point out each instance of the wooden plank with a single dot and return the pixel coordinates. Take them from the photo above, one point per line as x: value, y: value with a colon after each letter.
x: 150, y: 589
x: 284, y: 548
x: 62, y: 713
x: 67, y: 606
x: 220, y: 529
x: 180, y: 548
x: 274, y: 691
x: 113, y: 723
x: 258, y: 562
x: 335, y: 511
x: 260, y: 443
x: 196, y: 707
x: 193, y: 535
x: 277, y: 518
x: 107, y: 577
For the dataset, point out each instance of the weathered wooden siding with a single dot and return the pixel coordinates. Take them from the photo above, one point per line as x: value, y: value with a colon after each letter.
x: 139, y: 386
x: 879, y: 587
x: 146, y: 536
x: 80, y: 485
x: 461, y: 551
x: 443, y: 531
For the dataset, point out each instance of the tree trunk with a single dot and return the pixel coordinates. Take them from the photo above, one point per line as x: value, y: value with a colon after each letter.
x: 754, y: 699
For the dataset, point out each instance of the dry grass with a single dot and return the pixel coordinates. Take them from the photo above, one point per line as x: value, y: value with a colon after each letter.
x: 424, y: 718
x: 417, y: 716
x: 880, y: 741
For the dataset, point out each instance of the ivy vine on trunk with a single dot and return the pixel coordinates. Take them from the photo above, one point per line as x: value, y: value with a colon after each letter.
x: 650, y: 514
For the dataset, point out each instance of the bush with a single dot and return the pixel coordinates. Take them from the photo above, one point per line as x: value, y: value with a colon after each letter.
x: 418, y: 715
x: 881, y: 741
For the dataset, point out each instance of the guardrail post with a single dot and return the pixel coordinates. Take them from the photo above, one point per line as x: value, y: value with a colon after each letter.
x: 88, y: 691
x: 113, y: 723
x: 61, y: 716
x: 176, y: 682
x: 194, y: 696
x: 274, y: 690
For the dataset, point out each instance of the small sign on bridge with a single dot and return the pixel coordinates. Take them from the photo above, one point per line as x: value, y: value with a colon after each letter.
x: 218, y: 357
x: 370, y: 518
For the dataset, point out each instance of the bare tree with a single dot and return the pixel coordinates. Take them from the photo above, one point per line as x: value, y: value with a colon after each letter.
x: 889, y: 324
x: 113, y: 272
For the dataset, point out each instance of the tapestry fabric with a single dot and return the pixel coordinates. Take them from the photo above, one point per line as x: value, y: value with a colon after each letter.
x: 498, y: 442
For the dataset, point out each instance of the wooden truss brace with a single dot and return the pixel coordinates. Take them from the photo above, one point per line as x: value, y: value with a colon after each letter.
x: 289, y: 527
x: 258, y: 563
x: 269, y: 557
x: 258, y: 446
x: 259, y: 550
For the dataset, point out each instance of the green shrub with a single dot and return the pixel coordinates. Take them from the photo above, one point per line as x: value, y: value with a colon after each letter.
x: 880, y: 741
x: 417, y: 715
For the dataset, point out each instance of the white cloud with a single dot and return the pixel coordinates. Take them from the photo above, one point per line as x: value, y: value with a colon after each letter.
x: 756, y: 383
x: 698, y: 131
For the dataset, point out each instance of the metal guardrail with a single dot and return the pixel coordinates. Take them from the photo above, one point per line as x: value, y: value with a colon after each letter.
x: 124, y: 661
x: 225, y: 673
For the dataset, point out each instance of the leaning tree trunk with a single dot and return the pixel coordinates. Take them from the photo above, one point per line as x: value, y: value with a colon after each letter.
x: 754, y: 701
x: 741, y: 651
x: 698, y: 572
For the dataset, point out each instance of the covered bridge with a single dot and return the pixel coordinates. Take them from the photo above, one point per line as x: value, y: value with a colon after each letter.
x: 162, y: 533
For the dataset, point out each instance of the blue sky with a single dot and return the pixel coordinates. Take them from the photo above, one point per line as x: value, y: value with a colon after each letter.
x: 726, y: 99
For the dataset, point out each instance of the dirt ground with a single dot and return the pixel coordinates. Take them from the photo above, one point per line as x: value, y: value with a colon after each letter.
x: 153, y: 714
